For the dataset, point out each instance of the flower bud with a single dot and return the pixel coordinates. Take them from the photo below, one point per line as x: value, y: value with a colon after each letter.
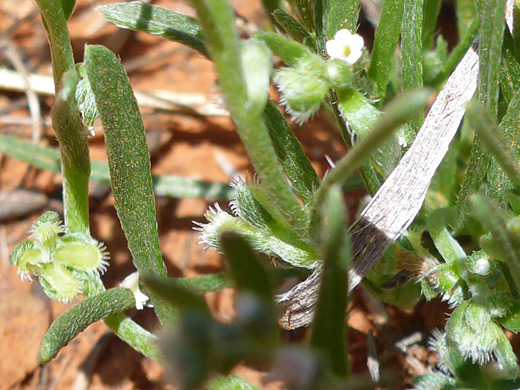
x: 301, y: 93
x: 339, y: 73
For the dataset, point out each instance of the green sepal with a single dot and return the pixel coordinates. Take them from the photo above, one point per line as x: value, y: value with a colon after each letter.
x: 45, y: 230
x: 58, y: 282
x: 287, y: 50
x: 81, y: 254
x: 26, y: 254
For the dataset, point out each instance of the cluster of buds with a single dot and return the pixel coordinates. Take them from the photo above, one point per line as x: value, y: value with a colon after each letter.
x: 304, y: 86
x: 63, y: 262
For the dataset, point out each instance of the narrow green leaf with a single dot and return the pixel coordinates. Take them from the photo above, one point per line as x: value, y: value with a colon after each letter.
x: 247, y: 270
x: 398, y: 112
x: 516, y: 29
x: 78, y: 317
x: 48, y: 158
x: 490, y: 48
x: 494, y: 219
x: 367, y: 172
x: 338, y: 15
x: 270, y: 6
x: 220, y: 37
x: 429, y: 22
x: 361, y: 116
x: 129, y: 163
x: 179, y: 295
x: 385, y: 42
x: 458, y: 52
x: 304, y: 11
x: 411, y: 54
x: 292, y: 28
x: 68, y: 8
x: 230, y: 382
x: 511, y: 320
x: 473, y: 177
x: 287, y: 50
x: 467, y: 13
x: 496, y: 141
x: 295, y: 162
x: 448, y: 247
x: 329, y: 327
x: 490, y: 51
x: 138, y: 16
x: 510, y: 71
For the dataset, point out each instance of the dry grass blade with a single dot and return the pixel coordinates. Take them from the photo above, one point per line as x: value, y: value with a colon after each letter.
x: 33, y: 102
x: 395, y: 205
x: 161, y: 100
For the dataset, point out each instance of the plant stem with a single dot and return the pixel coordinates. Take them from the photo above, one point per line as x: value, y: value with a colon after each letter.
x: 221, y: 40
x: 66, y: 122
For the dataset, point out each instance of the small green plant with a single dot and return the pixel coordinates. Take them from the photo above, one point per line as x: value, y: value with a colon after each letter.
x: 289, y: 214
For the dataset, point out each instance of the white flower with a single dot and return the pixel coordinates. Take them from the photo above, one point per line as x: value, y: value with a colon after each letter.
x: 345, y: 46
x: 131, y: 282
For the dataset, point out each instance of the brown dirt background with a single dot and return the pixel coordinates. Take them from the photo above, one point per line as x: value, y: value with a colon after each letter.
x: 184, y: 145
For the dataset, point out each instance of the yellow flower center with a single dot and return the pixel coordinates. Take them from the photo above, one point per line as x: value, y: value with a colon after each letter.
x: 347, y: 51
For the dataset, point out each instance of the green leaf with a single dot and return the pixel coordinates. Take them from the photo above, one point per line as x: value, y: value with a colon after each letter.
x: 334, y: 15
x: 361, y: 116
x: 304, y: 11
x: 490, y: 51
x: 68, y: 325
x: 287, y: 50
x: 510, y: 71
x: 292, y: 28
x: 129, y: 163
x: 467, y: 13
x: 511, y: 320
x: 179, y: 294
x: 385, y: 42
x: 398, y: 112
x: 230, y: 382
x: 497, y: 142
x: 295, y: 162
x: 138, y: 16
x: 494, y: 219
x: 270, y: 6
x: 340, y: 14
x: 329, y: 327
x: 458, y: 53
x: 248, y: 272
x: 448, y: 247
x: 411, y: 55
x: 48, y: 158
x: 221, y: 39
x: 429, y: 22
x: 68, y: 8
